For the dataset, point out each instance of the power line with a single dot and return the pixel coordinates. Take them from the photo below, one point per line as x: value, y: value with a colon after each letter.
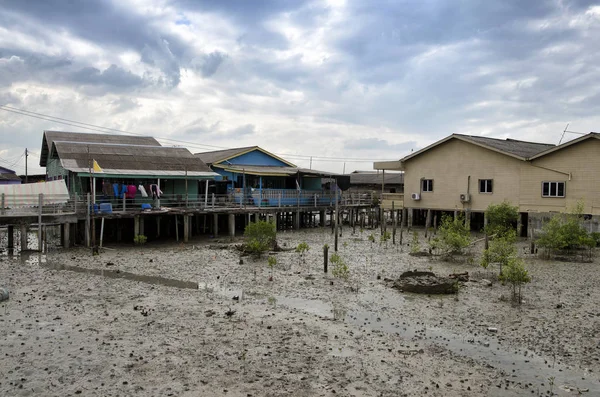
x: 106, y: 130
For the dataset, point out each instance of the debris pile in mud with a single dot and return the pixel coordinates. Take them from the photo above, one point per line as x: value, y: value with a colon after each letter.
x: 422, y: 282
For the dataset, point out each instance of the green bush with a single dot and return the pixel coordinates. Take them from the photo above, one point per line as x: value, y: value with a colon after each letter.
x: 501, y: 218
x: 260, y: 237
x: 340, y: 268
x: 452, y: 238
x: 140, y: 239
x: 500, y: 251
x: 516, y: 275
x: 415, y: 246
x: 566, y: 232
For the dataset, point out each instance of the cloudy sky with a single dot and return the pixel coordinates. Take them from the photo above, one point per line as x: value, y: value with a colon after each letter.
x: 332, y: 79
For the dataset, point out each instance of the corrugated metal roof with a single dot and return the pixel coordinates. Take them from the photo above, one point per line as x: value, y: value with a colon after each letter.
x: 266, y: 170
x: 149, y: 159
x: 53, y: 136
x: 218, y: 155
x: 512, y: 146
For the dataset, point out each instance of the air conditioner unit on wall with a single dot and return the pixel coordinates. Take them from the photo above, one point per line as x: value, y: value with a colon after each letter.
x: 465, y: 198
x: 415, y: 196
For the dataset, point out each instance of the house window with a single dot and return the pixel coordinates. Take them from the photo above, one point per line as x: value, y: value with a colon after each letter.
x: 485, y: 186
x: 553, y: 189
x: 427, y: 185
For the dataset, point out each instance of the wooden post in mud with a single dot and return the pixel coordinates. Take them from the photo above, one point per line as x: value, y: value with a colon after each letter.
x: 186, y: 228
x: 325, y: 257
x: 394, y: 221
x: 337, y: 213
x: 65, y: 228
x: 23, y: 236
x: 176, y: 228
x: 427, y: 222
x: 11, y: 237
x: 435, y: 224
x: 215, y: 228
x: 231, y: 226
x: 87, y: 221
x: 158, y: 226
x: 485, y: 222
x: 101, y: 231
x: 40, y: 208
x: 136, y: 225
x: 402, y: 221
x: 409, y: 218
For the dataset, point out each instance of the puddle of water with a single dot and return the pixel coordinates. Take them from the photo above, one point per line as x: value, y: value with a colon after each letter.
x: 155, y: 280
x: 229, y: 292
x: 526, y: 369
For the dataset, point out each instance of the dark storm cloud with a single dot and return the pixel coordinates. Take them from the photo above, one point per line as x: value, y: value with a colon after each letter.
x: 104, y: 23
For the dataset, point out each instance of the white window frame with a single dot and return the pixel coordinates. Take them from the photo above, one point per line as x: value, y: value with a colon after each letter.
x: 427, y: 183
x: 491, y: 186
x: 556, y: 184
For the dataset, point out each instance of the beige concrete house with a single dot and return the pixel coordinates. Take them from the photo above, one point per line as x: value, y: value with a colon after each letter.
x: 468, y: 173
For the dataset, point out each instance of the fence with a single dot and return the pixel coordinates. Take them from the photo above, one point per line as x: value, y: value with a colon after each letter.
x: 266, y: 198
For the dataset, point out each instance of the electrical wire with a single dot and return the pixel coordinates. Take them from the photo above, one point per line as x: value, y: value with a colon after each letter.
x: 106, y: 130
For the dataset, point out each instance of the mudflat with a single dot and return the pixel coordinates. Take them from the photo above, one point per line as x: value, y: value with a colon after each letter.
x: 192, y: 320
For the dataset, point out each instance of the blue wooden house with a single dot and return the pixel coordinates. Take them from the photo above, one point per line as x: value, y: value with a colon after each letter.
x: 258, y: 177
x: 8, y: 177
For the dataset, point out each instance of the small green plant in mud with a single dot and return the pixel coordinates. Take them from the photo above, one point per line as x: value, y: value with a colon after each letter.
x: 384, y: 238
x: 415, y: 246
x: 271, y: 261
x: 260, y: 237
x: 372, y: 238
x: 340, y: 268
x: 140, y: 239
x: 302, y: 248
x: 515, y: 274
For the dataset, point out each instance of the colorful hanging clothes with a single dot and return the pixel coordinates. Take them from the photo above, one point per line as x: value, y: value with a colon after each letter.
x: 142, y: 190
x: 116, y: 190
x: 131, y: 191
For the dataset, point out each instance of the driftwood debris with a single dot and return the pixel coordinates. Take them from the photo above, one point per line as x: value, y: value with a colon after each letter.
x: 460, y: 276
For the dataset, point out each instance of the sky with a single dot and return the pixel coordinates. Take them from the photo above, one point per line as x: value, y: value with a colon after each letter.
x: 345, y: 82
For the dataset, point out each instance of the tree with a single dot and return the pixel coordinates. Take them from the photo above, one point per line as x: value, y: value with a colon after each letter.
x: 452, y: 238
x: 516, y: 275
x: 565, y: 232
x: 501, y: 218
x: 501, y: 250
x: 260, y: 237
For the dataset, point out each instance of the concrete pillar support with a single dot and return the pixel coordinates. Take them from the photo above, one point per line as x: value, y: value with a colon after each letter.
x: 186, y: 228
x: 215, y: 225
x: 231, y: 226
x: 66, y: 238
x: 23, y: 236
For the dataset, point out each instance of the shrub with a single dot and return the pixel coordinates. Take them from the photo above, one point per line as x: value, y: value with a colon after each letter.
x: 565, y: 232
x: 453, y: 236
x: 385, y: 237
x: 260, y: 237
x: 501, y: 218
x: 500, y: 251
x: 340, y: 269
x: 271, y: 261
x: 140, y: 239
x: 415, y: 247
x: 516, y: 275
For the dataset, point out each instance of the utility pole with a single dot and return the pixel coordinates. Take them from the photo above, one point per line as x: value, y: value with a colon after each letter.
x: 26, y: 155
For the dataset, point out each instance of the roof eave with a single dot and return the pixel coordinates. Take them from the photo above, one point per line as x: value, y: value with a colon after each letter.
x: 564, y: 145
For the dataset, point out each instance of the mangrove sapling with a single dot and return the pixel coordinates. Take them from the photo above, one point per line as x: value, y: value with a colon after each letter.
x: 415, y: 246
x: 515, y: 274
x: 340, y: 268
x: 272, y: 261
x: 302, y: 248
x: 453, y: 237
x: 501, y: 219
x: 385, y: 237
x: 501, y: 250
x: 260, y: 237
